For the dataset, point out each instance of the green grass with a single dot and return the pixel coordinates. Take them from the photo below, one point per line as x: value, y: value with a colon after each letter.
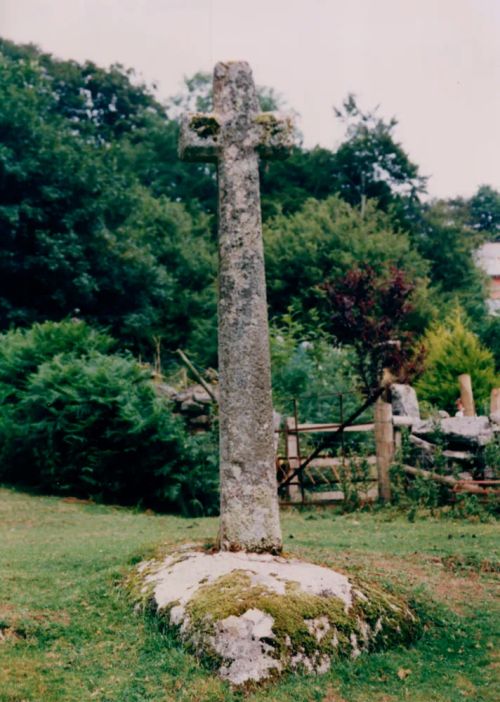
x: 68, y: 633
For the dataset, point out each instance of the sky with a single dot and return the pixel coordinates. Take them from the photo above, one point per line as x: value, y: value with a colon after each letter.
x: 433, y: 64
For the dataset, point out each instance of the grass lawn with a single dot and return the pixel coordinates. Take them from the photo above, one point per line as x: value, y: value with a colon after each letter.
x: 68, y: 634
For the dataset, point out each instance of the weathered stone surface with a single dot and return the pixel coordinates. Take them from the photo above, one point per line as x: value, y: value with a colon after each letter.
x: 234, y: 136
x: 243, y: 644
x: 258, y: 615
x: 495, y: 418
x: 202, y: 420
x: 192, y: 407
x: 460, y: 432
x: 196, y: 393
x: 165, y: 389
x: 404, y: 401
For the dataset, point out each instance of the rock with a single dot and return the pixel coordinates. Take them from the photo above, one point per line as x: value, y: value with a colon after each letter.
x: 164, y: 389
x: 495, y: 418
x: 202, y: 397
x: 191, y: 407
x: 243, y: 643
x: 404, y: 401
x: 202, y: 420
x: 460, y: 432
x: 188, y: 394
x: 258, y: 615
x: 443, y: 414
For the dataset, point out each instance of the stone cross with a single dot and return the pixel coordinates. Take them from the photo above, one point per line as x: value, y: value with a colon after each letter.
x: 234, y: 136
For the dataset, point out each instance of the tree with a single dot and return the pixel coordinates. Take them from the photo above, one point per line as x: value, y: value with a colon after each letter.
x: 448, y: 243
x: 370, y: 163
x: 368, y: 313
x: 286, y: 185
x: 453, y: 349
x: 326, y: 239
x: 79, y: 232
x: 484, y: 212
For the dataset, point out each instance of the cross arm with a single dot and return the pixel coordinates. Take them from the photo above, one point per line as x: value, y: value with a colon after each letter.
x: 199, y: 137
x: 276, y: 134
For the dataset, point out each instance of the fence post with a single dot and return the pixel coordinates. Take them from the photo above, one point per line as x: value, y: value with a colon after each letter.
x: 495, y: 402
x: 466, y: 395
x: 384, y: 441
x: 293, y: 458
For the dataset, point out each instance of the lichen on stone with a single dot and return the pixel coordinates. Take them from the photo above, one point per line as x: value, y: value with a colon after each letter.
x: 276, y: 135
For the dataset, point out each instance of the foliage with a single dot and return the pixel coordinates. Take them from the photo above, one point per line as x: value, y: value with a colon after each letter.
x: 370, y: 163
x: 98, y: 214
x: 453, y: 349
x: 172, y: 267
x: 81, y: 233
x: 323, y: 241
x: 468, y: 506
x: 355, y: 481
x: 287, y: 184
x: 484, y: 212
x: 86, y: 423
x: 101, y: 104
x: 447, y: 241
x: 368, y: 312
x: 23, y: 350
x: 489, y: 333
x: 308, y: 368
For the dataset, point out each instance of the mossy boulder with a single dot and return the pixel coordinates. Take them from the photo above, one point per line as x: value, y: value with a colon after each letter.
x: 254, y: 616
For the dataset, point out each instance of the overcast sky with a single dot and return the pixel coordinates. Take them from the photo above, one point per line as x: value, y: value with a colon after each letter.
x: 434, y: 64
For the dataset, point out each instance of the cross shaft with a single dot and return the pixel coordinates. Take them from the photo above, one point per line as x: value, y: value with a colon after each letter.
x: 234, y: 136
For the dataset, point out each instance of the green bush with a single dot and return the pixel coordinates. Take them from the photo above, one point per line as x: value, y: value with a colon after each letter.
x: 310, y: 369
x: 91, y: 424
x: 452, y: 349
x: 23, y: 350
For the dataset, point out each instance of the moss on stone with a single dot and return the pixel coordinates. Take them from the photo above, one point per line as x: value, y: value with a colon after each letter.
x: 139, y: 589
x: 388, y: 617
x: 398, y: 624
x: 205, y: 126
x: 271, y: 124
x: 304, y: 630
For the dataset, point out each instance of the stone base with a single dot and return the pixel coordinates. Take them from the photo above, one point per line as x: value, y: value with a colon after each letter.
x: 254, y: 616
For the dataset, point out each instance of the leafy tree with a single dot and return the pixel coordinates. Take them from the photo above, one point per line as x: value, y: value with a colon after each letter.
x: 370, y: 163
x: 326, y: 239
x: 78, y: 232
x: 306, y: 366
x: 179, y: 303
x: 489, y: 333
x: 287, y: 184
x: 98, y: 214
x: 151, y: 154
x: 484, y: 212
x: 453, y: 349
x: 444, y: 238
x: 101, y: 104
x: 368, y: 313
